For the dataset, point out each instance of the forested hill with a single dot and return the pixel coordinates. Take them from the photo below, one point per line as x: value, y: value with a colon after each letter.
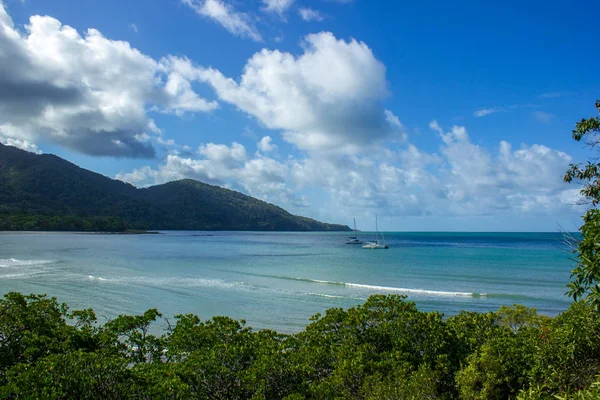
x: 46, y: 192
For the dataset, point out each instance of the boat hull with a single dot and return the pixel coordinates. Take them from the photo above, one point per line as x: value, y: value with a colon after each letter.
x: 375, y: 246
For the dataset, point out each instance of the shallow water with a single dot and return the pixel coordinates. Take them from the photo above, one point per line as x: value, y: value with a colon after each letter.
x: 278, y: 280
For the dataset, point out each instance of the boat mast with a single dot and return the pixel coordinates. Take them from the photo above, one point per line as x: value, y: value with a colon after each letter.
x: 354, y: 224
x: 376, y: 229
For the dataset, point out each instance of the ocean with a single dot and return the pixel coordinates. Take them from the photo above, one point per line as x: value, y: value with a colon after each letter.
x: 279, y: 280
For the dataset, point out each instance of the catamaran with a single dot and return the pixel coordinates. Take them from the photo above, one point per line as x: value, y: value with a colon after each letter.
x: 375, y: 243
x: 353, y: 239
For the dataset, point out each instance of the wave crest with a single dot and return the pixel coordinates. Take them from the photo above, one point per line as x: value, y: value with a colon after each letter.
x: 13, y: 262
x: 390, y: 288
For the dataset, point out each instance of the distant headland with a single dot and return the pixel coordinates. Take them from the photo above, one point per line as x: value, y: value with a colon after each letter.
x: 47, y: 193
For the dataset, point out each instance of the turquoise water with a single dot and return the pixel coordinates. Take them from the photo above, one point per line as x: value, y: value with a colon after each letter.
x: 278, y: 280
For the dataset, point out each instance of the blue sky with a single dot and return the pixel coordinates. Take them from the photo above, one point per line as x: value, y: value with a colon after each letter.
x: 437, y: 116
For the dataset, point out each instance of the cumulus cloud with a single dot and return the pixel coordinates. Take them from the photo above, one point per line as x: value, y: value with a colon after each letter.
x: 265, y: 145
x: 229, y: 157
x: 460, y: 179
x: 16, y: 141
x: 328, y: 98
x: 88, y: 93
x: 278, y: 7
x: 229, y: 166
x: 478, y: 181
x: 308, y: 14
x: 237, y: 23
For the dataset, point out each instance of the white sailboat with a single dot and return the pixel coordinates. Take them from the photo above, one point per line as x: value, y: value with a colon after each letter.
x: 353, y: 239
x: 375, y: 244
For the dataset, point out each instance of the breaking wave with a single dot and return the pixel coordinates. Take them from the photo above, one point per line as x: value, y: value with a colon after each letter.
x: 168, y: 281
x: 13, y: 262
x: 388, y: 288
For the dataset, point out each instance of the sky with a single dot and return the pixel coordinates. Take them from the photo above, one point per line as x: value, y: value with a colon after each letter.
x: 437, y: 116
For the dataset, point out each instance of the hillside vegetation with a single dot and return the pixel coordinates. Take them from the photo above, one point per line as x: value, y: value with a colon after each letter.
x: 45, y: 192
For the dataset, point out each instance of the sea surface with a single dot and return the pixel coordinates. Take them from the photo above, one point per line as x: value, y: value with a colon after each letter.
x: 279, y: 280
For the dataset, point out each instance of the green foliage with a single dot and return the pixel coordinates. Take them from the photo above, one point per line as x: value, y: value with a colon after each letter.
x: 130, y: 335
x: 585, y: 278
x: 35, y: 326
x: 470, y: 331
x: 74, y: 375
x: 47, y: 193
x: 518, y: 316
x: 498, y: 369
x: 383, y: 349
x: 591, y: 393
x: 58, y: 223
x: 568, y: 357
x: 588, y: 131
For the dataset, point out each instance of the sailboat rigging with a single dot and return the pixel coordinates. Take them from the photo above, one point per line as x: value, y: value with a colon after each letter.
x: 353, y: 239
x: 376, y: 244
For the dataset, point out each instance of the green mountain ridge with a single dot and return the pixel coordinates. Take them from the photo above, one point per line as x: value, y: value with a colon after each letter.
x: 46, y: 192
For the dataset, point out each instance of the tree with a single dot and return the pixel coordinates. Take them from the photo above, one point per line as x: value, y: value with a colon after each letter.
x: 585, y: 277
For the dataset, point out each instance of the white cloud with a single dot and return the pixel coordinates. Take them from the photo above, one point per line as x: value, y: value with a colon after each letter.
x: 229, y: 166
x: 461, y: 179
x: 543, y: 117
x: 88, y: 93
x: 393, y: 120
x: 265, y: 145
x: 308, y: 14
x: 478, y: 181
x: 18, y: 137
x: 326, y: 99
x: 230, y: 157
x: 278, y: 7
x: 19, y: 143
x: 133, y: 27
x: 93, y: 94
x: 487, y: 111
x: 164, y: 142
x: 436, y: 127
x: 181, y: 98
x: 492, y: 110
x: 237, y: 23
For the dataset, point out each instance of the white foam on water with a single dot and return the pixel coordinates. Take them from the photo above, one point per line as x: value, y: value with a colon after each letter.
x: 13, y: 262
x: 189, y: 282
x: 98, y: 278
x: 169, y: 281
x: 14, y: 276
x: 406, y: 290
x: 15, y: 269
x: 329, y: 296
x: 398, y: 289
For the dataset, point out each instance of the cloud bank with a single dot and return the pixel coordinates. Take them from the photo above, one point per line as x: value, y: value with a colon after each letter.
x: 84, y: 92
x: 95, y: 95
x: 329, y: 98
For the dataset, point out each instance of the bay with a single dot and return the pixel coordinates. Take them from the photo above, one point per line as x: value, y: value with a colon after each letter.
x: 278, y: 280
